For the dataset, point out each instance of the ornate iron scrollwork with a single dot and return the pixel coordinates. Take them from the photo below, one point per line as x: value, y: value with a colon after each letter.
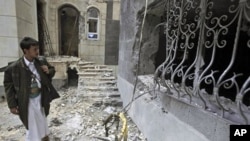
x: 198, y: 34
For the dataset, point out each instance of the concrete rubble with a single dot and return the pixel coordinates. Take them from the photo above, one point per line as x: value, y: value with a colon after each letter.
x: 79, y: 114
x: 72, y: 118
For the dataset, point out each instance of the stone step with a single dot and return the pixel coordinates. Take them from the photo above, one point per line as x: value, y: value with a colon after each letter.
x: 87, y: 74
x: 85, y: 63
x: 102, y: 83
x: 113, y: 102
x: 92, y: 67
x: 107, y: 102
x: 96, y: 78
x: 82, y: 91
x: 84, y: 78
x: 107, y: 78
x: 98, y: 70
x: 102, y: 95
x: 100, y: 74
x: 99, y: 88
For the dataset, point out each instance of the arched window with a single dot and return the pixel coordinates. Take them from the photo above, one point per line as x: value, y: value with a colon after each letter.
x: 93, y: 24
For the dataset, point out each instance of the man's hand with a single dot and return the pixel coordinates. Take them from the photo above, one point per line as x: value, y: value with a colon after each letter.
x: 45, y: 69
x: 14, y: 110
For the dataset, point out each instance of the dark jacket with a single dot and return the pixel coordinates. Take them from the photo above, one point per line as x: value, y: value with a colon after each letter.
x: 17, y: 82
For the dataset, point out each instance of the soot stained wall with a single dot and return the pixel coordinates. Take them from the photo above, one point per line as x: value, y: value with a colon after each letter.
x: 130, y: 27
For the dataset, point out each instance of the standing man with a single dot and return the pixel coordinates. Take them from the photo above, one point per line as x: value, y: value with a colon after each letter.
x: 29, y: 90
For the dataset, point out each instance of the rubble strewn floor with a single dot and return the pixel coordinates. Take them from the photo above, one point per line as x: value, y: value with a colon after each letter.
x: 73, y: 117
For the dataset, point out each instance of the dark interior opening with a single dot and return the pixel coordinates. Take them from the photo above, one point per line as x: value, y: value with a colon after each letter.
x: 223, y: 57
x: 72, y: 77
x: 40, y: 15
x: 161, y: 53
x: 68, y: 30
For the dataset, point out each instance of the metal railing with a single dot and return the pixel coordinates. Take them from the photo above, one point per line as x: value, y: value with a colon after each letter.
x: 207, y: 47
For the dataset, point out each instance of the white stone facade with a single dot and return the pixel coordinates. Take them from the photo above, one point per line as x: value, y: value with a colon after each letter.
x: 18, y: 18
x: 91, y: 50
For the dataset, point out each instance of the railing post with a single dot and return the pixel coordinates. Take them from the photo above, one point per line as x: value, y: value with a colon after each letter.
x: 200, y: 47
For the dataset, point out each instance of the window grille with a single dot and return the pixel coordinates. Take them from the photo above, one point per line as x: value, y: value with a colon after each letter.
x: 208, y: 55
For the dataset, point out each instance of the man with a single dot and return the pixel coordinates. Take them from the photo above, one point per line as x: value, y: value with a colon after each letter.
x: 29, y: 90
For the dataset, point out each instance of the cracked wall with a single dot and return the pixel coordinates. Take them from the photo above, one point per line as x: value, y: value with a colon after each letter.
x: 166, y: 118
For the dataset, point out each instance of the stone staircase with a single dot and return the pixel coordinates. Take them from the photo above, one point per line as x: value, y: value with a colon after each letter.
x: 99, y: 83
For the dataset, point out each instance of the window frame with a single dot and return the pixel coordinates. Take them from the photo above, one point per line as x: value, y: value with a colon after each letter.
x: 97, y: 26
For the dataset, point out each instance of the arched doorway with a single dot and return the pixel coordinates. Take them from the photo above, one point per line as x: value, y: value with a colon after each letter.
x: 68, y: 30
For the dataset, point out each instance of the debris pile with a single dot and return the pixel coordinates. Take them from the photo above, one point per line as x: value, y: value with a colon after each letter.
x: 81, y: 111
x: 73, y: 117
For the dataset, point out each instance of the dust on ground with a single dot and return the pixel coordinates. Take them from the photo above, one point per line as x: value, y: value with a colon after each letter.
x: 72, y: 118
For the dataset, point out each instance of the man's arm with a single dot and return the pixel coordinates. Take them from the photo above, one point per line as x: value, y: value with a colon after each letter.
x: 47, y: 68
x: 51, y: 68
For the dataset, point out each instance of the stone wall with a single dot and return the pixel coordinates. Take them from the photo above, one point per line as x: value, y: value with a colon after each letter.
x: 17, y: 19
x: 130, y: 46
x: 165, y: 118
x: 91, y: 50
x: 8, y: 32
x: 112, y: 36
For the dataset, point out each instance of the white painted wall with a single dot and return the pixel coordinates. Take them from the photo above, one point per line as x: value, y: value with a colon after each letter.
x: 8, y: 32
x: 18, y: 18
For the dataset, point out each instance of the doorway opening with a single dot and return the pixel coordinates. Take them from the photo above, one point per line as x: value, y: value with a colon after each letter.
x: 45, y: 45
x: 72, y: 77
x: 68, y: 30
x: 40, y: 14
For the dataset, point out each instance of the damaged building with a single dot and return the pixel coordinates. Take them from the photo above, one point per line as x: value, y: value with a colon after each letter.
x: 86, y: 29
x: 182, y: 65
x: 185, y: 66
